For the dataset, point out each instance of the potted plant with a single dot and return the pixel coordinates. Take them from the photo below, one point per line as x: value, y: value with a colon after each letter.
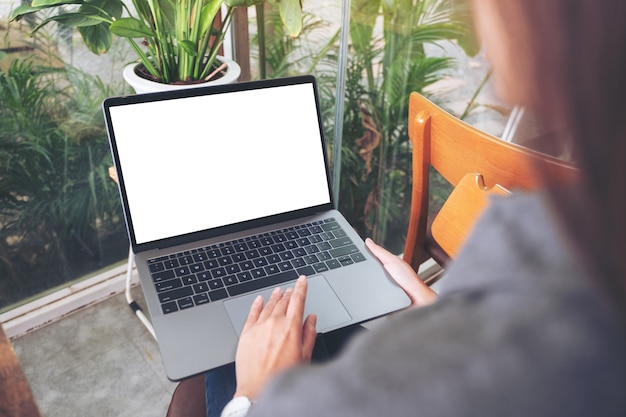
x: 176, y: 41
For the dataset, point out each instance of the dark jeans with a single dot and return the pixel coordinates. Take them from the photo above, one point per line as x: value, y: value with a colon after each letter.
x: 220, y: 383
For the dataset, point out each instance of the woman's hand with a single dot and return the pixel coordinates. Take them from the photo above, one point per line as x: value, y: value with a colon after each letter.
x: 274, y: 338
x: 419, y: 293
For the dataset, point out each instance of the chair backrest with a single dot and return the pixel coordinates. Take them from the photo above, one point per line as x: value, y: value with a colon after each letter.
x: 456, y: 149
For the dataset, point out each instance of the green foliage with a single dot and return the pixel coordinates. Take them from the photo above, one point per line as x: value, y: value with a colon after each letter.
x: 181, y: 38
x: 384, y: 67
x: 282, y: 55
x: 58, y: 208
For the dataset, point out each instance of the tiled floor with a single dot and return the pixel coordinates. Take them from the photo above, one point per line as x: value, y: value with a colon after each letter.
x: 98, y: 362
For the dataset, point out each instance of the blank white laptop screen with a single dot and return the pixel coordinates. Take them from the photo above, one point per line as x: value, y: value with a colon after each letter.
x: 197, y: 163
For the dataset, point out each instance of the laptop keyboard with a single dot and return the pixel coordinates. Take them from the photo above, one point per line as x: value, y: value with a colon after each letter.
x: 199, y: 276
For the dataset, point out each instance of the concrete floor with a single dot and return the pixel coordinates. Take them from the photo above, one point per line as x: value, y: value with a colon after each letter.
x: 100, y: 361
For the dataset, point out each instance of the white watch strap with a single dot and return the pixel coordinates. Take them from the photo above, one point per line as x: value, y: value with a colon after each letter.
x: 237, y: 407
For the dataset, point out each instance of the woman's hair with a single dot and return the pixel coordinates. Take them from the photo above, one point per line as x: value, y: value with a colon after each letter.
x: 572, y: 64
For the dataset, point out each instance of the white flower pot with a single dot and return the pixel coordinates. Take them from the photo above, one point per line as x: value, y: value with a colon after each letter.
x: 142, y: 85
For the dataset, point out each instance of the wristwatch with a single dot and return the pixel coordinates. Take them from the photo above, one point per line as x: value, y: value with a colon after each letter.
x: 237, y: 407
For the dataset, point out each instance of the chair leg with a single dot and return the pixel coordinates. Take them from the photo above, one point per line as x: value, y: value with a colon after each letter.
x: 188, y: 399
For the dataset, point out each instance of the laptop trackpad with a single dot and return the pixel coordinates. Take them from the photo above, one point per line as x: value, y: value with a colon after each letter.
x: 321, y: 300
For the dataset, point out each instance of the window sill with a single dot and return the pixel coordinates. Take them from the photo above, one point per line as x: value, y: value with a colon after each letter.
x: 71, y: 299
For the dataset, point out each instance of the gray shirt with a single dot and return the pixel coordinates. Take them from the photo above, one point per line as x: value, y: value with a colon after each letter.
x: 518, y: 330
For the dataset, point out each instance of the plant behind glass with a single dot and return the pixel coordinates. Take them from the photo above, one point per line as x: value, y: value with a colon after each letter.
x: 383, y: 68
x: 179, y: 39
x: 60, y: 215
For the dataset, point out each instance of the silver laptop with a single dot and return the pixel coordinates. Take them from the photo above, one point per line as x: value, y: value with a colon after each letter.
x: 226, y: 194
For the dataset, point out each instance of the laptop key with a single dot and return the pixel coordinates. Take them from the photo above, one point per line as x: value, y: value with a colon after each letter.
x: 258, y: 273
x: 311, y: 259
x: 218, y: 294
x: 163, y: 276
x: 182, y: 271
x: 244, y: 276
x: 213, y: 253
x: 345, y: 260
x: 238, y: 257
x: 200, y: 256
x: 298, y: 263
x: 259, y: 262
x: 185, y: 303
x: 333, y: 264
x: 344, y: 250
x: 257, y: 284
x: 299, y: 252
x: 170, y: 307
x: 168, y: 285
x: 204, y: 276
x: 273, y: 259
x: 171, y: 263
x: 324, y: 246
x: 172, y: 295
x: 201, y: 299
x: 186, y: 260
x: 189, y: 279
x: 329, y: 227
x: 284, y: 266
x: 272, y: 269
x: 324, y: 256
x: 230, y: 280
x: 215, y: 284
x: 160, y: 259
x: 307, y: 270
x: 218, y: 272
x: 340, y: 242
x: 211, y: 264
x: 201, y: 287
x: 358, y: 257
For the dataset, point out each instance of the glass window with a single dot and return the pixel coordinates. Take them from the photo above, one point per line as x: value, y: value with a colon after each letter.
x: 60, y: 216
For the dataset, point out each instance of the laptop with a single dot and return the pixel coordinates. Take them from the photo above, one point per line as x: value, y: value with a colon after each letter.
x: 226, y: 194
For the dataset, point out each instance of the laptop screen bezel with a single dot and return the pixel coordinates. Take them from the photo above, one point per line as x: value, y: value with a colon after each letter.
x: 221, y: 230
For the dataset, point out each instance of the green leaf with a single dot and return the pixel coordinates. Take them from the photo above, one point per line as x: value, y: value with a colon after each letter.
x: 167, y: 12
x: 189, y: 47
x: 363, y: 14
x: 246, y: 3
x: 109, y: 8
x: 291, y: 15
x: 97, y: 38
x: 129, y: 27
x: 73, y: 20
x: 207, y: 16
x: 24, y: 9
x: 53, y: 3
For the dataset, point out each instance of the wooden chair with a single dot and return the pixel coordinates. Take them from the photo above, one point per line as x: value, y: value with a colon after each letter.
x: 16, y: 397
x: 188, y: 399
x: 476, y: 164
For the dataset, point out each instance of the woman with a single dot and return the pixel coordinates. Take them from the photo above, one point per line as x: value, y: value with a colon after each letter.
x: 532, y: 317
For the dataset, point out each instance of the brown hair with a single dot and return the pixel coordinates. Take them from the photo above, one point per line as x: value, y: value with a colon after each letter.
x: 572, y: 63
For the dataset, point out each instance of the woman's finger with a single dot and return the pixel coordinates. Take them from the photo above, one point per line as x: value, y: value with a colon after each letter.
x: 255, y: 311
x: 295, y: 310
x: 271, y: 303
x: 282, y: 304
